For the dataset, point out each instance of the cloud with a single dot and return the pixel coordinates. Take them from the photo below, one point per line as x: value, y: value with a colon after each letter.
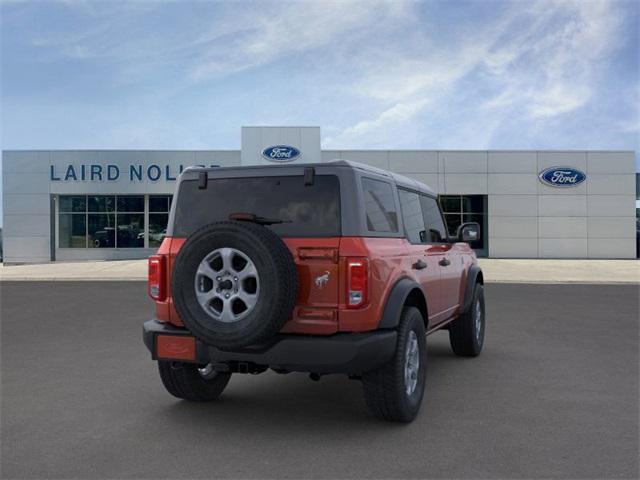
x: 261, y: 36
x: 550, y: 68
x: 388, y: 74
x: 228, y: 38
x: 538, y: 60
x: 397, y: 114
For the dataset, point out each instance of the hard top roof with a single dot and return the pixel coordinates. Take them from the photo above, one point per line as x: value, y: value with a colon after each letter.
x: 400, y: 180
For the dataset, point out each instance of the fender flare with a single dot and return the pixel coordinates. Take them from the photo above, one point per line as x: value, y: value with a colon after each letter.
x: 474, y: 276
x: 396, y: 300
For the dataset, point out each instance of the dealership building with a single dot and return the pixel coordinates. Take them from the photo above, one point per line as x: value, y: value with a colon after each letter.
x: 114, y: 204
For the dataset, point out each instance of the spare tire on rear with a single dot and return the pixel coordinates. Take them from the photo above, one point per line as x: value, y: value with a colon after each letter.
x: 234, y: 284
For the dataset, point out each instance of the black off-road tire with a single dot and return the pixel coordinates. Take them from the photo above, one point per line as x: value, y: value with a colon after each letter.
x: 465, y: 339
x: 278, y: 284
x: 385, y: 389
x: 182, y: 380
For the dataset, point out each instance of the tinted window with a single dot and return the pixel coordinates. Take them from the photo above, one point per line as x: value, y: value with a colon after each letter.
x: 305, y: 210
x: 102, y: 203
x: 101, y: 229
x: 130, y: 231
x: 73, y: 203
x: 159, y: 203
x: 412, y: 216
x: 131, y: 203
x: 158, y: 218
x: 436, y: 231
x: 72, y: 230
x: 459, y: 209
x: 379, y: 206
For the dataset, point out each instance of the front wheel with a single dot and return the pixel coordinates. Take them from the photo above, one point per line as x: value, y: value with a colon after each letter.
x: 466, y: 333
x: 394, y: 392
x: 190, y: 382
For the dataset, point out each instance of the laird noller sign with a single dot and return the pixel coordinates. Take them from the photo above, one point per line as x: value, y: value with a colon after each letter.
x: 111, y: 172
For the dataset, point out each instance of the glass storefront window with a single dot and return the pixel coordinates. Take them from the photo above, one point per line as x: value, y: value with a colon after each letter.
x: 450, y: 203
x: 458, y: 209
x: 159, y: 206
x: 157, y: 228
x: 159, y: 203
x: 130, y: 230
x: 131, y: 203
x: 453, y: 220
x: 73, y: 203
x: 101, y: 230
x: 473, y: 204
x: 111, y: 221
x: 102, y: 203
x: 73, y: 227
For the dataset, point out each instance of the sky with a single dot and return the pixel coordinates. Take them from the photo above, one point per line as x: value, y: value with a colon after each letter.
x: 373, y: 74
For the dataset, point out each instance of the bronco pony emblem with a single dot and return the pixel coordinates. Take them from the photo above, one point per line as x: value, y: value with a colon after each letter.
x: 322, y: 280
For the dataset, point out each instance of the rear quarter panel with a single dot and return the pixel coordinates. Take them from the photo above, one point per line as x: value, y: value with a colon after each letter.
x: 389, y: 261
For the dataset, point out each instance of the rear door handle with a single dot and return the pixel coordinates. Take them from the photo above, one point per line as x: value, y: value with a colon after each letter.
x: 444, y: 262
x: 419, y: 265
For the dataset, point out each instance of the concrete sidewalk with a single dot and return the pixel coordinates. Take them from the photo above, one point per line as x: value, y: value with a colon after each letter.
x: 495, y: 271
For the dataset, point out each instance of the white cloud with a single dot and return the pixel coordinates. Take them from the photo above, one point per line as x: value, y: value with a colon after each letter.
x: 263, y: 36
x: 543, y: 57
x: 397, y: 114
x: 373, y: 73
x: 231, y: 37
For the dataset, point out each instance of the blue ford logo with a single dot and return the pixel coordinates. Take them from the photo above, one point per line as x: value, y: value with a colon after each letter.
x: 281, y: 153
x: 562, y: 177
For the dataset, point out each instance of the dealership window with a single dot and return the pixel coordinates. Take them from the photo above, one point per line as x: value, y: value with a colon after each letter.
x: 459, y: 209
x: 159, y: 206
x: 110, y: 221
x: 73, y: 221
x: 101, y: 221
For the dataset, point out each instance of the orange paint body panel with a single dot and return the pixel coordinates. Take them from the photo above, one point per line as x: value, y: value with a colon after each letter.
x: 386, y: 263
x: 176, y: 347
x: 316, y: 310
x: 321, y: 307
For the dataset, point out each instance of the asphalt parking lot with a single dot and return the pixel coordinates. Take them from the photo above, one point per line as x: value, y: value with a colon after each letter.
x: 554, y: 395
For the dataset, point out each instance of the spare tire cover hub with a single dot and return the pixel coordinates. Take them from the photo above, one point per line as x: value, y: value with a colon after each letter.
x: 227, y: 284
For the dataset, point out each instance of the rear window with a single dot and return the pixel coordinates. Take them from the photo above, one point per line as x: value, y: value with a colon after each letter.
x: 306, y: 210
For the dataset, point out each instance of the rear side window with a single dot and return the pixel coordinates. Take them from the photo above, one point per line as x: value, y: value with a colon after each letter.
x: 379, y: 206
x: 412, y: 216
x: 305, y: 210
x: 436, y: 232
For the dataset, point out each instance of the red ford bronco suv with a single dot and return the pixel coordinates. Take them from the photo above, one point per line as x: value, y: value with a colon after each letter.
x: 333, y: 267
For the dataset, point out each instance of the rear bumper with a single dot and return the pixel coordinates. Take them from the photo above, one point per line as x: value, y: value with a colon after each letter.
x: 351, y: 353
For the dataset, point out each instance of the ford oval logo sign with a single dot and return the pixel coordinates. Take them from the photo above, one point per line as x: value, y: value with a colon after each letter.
x: 281, y: 153
x: 562, y: 177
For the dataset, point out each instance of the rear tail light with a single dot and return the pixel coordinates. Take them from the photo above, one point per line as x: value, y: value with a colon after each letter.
x: 357, y: 282
x: 157, y: 275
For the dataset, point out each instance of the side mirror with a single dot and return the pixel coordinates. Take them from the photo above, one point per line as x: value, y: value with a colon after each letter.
x: 468, y: 232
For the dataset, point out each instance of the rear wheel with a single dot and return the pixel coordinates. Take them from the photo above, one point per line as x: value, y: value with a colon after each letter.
x: 466, y: 333
x: 394, y: 392
x: 190, y: 382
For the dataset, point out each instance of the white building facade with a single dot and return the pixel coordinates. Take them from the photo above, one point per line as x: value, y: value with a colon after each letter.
x: 113, y: 204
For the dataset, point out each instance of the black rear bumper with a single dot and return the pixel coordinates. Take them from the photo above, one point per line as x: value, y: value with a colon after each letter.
x: 351, y: 353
